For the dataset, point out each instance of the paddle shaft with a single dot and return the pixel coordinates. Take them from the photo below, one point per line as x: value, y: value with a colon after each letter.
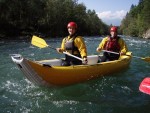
x: 66, y: 53
x: 73, y: 56
x: 110, y: 52
x: 118, y: 53
x: 52, y: 47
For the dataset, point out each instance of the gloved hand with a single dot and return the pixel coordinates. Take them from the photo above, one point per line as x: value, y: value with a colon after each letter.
x: 122, y: 53
x: 85, y: 61
x: 59, y: 50
x: 98, y: 49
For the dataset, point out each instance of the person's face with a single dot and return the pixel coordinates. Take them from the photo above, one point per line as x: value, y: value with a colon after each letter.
x: 113, y: 34
x: 71, y: 30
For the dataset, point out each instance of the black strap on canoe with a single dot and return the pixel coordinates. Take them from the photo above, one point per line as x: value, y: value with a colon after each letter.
x: 46, y: 65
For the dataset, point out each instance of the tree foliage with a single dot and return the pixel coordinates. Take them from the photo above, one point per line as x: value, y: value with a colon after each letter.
x: 48, y: 17
x: 137, y: 20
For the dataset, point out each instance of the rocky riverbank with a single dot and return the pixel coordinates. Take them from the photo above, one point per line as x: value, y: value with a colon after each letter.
x: 147, y: 34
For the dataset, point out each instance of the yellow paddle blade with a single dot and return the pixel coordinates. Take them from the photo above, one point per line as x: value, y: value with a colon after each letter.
x: 39, y: 42
x: 147, y: 59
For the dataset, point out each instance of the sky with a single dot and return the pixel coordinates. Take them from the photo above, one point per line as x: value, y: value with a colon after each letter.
x: 110, y: 11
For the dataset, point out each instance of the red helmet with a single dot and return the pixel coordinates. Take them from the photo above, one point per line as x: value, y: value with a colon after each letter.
x: 72, y: 24
x: 114, y: 29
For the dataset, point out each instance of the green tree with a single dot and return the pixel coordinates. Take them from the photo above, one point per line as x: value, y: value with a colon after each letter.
x: 49, y: 17
x: 137, y: 21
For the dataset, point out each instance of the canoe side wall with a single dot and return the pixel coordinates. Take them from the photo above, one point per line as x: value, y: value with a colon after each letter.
x: 58, y: 75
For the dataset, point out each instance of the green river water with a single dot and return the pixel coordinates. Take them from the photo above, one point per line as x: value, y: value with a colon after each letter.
x: 117, y: 93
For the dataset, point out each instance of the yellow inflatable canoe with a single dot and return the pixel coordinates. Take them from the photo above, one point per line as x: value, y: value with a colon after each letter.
x: 50, y: 72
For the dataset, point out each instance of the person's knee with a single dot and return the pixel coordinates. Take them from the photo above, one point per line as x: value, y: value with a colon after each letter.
x: 65, y: 63
x: 102, y: 59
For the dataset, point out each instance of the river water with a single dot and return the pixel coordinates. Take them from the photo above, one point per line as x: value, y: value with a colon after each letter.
x: 117, y: 93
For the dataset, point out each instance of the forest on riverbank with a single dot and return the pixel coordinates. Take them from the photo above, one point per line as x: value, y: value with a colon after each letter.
x: 49, y: 17
x: 137, y: 20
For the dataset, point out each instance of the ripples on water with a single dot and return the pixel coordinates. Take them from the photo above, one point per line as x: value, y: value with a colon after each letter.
x: 109, y: 94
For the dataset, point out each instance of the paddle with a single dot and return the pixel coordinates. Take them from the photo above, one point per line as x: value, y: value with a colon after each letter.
x: 41, y: 43
x: 145, y: 86
x: 147, y: 59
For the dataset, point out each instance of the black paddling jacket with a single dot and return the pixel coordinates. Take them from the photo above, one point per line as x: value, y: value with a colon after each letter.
x: 74, y: 45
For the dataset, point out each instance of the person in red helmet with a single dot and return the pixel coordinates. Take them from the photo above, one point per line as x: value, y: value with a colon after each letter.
x: 73, y: 44
x: 112, y: 43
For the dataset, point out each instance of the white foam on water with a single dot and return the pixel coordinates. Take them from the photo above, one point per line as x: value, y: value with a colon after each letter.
x: 64, y: 102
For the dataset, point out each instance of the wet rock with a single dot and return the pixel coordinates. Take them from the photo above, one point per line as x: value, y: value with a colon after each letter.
x: 147, y: 34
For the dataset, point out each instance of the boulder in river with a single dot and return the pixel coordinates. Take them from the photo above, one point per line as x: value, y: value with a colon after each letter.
x: 147, y: 34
